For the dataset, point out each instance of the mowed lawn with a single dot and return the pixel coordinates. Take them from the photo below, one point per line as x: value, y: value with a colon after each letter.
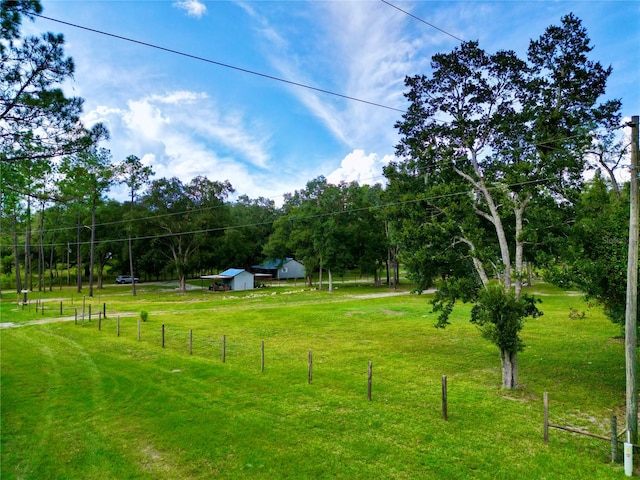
x: 80, y: 402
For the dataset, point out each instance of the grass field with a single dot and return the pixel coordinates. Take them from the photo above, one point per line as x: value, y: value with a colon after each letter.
x: 84, y: 403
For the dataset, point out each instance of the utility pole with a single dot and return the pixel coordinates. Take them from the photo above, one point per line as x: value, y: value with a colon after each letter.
x: 631, y: 314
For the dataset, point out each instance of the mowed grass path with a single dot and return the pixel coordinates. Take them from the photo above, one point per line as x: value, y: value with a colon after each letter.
x: 78, y: 403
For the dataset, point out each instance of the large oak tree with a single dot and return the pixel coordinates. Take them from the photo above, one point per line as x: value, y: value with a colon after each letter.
x: 485, y: 136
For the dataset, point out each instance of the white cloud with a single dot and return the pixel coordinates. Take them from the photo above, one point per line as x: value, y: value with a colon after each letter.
x: 194, y: 8
x: 360, y: 167
x: 184, y: 134
x: 181, y: 96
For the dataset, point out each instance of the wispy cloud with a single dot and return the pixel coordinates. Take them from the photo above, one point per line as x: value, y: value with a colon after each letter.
x: 194, y: 8
x: 357, y: 51
x: 187, y: 134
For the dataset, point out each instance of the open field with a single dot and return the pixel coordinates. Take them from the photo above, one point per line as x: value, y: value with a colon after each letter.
x: 79, y: 403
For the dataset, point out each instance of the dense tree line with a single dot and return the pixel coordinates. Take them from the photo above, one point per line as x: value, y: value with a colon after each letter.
x: 179, y: 230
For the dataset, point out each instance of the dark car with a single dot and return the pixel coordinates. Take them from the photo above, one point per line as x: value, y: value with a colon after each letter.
x: 120, y: 279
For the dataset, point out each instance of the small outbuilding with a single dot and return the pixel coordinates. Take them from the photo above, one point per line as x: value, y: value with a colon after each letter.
x: 281, y: 269
x: 235, y: 279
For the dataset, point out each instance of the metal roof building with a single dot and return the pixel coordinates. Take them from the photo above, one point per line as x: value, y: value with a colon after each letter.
x: 235, y: 279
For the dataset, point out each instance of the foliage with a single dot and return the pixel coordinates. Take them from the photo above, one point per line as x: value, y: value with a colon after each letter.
x: 37, y: 121
x: 185, y: 218
x: 595, y: 260
x: 332, y: 227
x: 500, y: 315
x: 487, y: 139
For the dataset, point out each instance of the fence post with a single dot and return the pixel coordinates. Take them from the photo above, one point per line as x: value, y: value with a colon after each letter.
x: 89, y: 312
x: 191, y: 342
x: 546, y: 418
x: 310, y: 366
x: 118, y: 328
x: 224, y: 348
x: 76, y: 317
x: 163, y: 335
x: 445, y: 414
x: 614, y: 439
x: 369, y: 379
x: 99, y: 321
x: 104, y: 310
x: 60, y: 307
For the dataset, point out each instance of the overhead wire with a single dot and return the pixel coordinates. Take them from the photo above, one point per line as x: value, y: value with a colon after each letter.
x: 421, y: 20
x: 220, y: 64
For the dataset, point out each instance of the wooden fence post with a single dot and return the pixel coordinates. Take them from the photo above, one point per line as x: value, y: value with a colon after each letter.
x: 369, y: 379
x: 99, y: 321
x: 76, y: 317
x: 104, y: 310
x: 310, y: 366
x: 163, y: 335
x: 546, y: 418
x: 445, y: 414
x: 118, y: 327
x: 191, y: 342
x: 224, y: 348
x: 614, y: 439
x: 60, y: 307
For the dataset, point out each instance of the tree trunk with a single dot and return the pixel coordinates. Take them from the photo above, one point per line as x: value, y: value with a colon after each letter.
x: 28, y: 280
x: 41, y: 251
x: 133, y: 283
x: 330, y: 280
x: 79, y: 258
x: 51, y: 263
x: 519, y: 215
x: 16, y: 259
x: 93, y: 250
x: 509, y: 362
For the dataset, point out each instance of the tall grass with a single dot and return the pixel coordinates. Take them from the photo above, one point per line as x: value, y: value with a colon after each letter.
x: 82, y: 403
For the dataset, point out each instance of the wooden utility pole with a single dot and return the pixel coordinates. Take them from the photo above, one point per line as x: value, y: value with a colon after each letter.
x: 631, y: 315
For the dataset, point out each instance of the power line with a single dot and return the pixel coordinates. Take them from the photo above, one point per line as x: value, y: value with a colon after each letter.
x: 421, y: 20
x: 220, y: 64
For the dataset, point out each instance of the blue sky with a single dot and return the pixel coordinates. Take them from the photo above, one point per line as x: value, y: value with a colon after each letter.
x: 186, y: 117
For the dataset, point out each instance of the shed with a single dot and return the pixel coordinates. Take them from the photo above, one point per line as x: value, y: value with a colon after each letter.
x: 281, y: 269
x: 236, y: 279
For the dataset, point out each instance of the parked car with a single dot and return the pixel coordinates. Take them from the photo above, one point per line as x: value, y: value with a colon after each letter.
x: 120, y: 279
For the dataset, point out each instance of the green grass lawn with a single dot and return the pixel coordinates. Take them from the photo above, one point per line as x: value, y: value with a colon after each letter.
x: 79, y: 403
